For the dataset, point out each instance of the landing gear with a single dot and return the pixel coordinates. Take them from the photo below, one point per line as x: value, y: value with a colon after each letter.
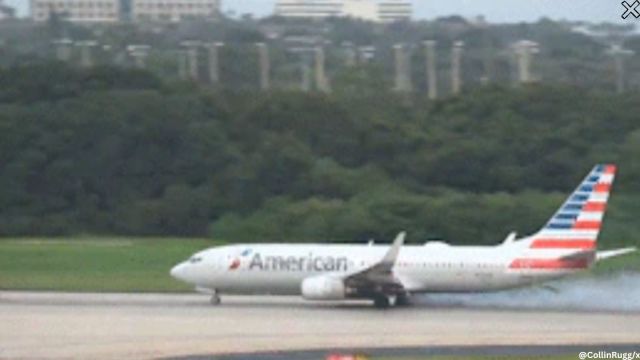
x: 215, y: 298
x: 403, y: 300
x: 381, y: 301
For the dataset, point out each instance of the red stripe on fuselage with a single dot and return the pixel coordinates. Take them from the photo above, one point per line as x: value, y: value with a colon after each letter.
x: 549, y: 264
x: 563, y: 244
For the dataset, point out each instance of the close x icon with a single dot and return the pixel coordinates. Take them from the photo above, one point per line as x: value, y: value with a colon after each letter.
x: 631, y: 9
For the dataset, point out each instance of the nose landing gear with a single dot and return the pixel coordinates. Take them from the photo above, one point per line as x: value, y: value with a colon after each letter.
x: 215, y: 296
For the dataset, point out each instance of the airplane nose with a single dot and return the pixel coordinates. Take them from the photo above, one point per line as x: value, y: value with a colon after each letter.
x: 178, y: 271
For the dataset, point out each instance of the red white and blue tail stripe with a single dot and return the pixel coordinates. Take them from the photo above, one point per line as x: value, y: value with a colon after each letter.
x: 577, y: 223
x: 573, y: 229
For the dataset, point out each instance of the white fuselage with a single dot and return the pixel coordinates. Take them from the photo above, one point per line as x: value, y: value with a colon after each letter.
x: 279, y: 269
x: 566, y: 244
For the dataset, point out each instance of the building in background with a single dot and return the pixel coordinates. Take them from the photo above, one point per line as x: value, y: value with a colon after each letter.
x: 79, y: 11
x: 392, y: 11
x: 173, y: 10
x: 6, y: 12
x: 385, y: 11
x: 111, y: 11
x: 308, y: 8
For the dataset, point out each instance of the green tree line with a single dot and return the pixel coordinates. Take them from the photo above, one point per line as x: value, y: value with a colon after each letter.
x: 112, y: 151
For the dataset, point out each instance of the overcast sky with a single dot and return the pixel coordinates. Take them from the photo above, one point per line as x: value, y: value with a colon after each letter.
x: 493, y: 10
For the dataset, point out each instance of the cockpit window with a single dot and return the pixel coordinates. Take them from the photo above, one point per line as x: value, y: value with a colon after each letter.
x: 195, y: 259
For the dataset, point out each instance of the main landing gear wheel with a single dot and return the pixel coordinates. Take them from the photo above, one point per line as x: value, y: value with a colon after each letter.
x: 381, y: 302
x: 403, y: 300
x: 215, y: 299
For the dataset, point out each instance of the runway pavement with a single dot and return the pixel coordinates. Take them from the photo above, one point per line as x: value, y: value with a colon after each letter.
x: 110, y: 326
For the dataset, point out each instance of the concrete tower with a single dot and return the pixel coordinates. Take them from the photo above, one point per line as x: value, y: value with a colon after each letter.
x: 191, y: 55
x: 432, y: 74
x: 456, y: 64
x: 619, y: 54
x: 264, y: 65
x: 524, y: 51
x: 403, y: 68
x: 63, y: 49
x: 214, y: 61
x: 86, y: 52
x: 139, y: 53
x: 322, y: 82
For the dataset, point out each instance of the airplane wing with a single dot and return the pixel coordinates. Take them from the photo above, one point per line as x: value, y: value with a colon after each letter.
x: 378, y: 278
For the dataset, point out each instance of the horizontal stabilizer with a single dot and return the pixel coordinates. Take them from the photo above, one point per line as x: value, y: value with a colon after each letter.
x: 580, y: 255
x: 601, y: 255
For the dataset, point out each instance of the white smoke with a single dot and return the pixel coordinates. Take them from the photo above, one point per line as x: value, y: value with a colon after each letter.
x: 613, y: 292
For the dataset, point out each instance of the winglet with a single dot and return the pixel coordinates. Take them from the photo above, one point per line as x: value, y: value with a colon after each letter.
x: 392, y: 254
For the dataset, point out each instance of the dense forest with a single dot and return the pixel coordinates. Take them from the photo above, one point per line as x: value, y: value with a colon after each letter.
x: 114, y: 151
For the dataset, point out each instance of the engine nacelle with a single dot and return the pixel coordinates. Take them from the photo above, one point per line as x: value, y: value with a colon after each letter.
x: 323, y: 288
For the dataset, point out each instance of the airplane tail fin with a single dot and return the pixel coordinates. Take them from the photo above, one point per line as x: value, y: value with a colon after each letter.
x: 569, y: 238
x: 577, y: 224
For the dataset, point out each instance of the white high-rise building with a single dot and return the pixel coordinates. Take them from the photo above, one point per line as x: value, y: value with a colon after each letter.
x: 174, y: 10
x: 6, y: 12
x: 391, y: 11
x: 111, y: 11
x: 85, y: 11
x: 385, y: 11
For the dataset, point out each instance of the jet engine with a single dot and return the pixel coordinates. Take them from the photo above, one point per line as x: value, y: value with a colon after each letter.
x: 323, y: 288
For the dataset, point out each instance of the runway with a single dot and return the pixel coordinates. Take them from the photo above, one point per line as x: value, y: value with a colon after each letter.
x: 109, y: 326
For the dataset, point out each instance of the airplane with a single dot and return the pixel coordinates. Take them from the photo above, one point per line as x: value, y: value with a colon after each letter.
x: 390, y: 275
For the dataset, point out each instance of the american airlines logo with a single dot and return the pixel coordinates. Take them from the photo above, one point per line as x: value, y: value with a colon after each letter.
x: 236, y: 262
x: 301, y: 263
